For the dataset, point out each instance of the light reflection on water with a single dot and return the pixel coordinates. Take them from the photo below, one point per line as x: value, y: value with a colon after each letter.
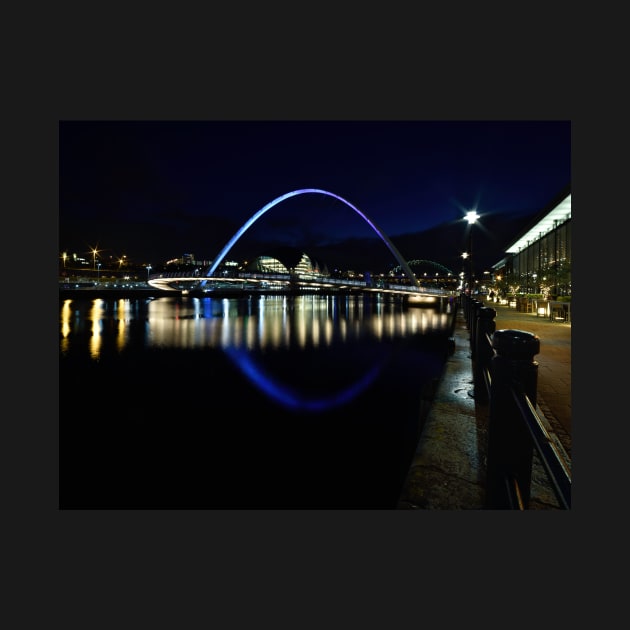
x: 253, y: 323
x: 268, y: 401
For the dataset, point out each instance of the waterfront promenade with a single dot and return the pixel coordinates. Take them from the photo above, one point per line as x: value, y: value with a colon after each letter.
x: 554, y: 365
x: 448, y: 468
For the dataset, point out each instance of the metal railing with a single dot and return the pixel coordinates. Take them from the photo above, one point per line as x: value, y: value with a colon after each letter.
x: 505, y: 376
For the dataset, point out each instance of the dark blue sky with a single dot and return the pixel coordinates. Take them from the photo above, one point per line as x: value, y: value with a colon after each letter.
x: 155, y: 190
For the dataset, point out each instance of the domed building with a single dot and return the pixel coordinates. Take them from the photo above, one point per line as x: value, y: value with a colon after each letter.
x: 287, y: 260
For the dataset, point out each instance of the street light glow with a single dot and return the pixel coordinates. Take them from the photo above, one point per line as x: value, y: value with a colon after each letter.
x: 472, y: 216
x: 94, y: 252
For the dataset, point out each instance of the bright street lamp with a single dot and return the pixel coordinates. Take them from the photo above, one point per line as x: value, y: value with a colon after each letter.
x: 148, y: 269
x: 94, y: 252
x: 471, y: 217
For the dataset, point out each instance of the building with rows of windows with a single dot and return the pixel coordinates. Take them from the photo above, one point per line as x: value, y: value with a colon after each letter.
x: 538, y: 261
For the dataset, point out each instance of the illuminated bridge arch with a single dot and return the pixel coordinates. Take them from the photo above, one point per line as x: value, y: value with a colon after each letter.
x: 425, y: 263
x: 392, y: 248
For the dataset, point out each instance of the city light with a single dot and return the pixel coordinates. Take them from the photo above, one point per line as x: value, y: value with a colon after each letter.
x: 94, y: 252
x: 471, y: 217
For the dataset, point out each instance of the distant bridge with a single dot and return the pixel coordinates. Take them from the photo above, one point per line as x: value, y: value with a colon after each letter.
x: 437, y: 268
x: 293, y: 281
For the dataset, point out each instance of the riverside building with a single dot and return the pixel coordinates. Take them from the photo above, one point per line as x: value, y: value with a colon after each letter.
x: 538, y: 261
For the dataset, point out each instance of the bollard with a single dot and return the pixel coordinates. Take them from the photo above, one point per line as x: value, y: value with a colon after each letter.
x: 510, y: 447
x: 483, y: 350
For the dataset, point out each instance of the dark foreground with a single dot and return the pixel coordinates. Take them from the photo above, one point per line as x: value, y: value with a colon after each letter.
x: 212, y: 429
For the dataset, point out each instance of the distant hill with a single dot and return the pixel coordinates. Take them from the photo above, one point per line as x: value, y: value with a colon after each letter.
x: 445, y: 243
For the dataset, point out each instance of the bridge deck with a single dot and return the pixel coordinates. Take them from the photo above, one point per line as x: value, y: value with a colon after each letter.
x: 177, y: 282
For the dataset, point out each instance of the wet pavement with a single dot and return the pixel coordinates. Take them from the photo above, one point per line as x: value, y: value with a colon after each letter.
x: 448, y: 469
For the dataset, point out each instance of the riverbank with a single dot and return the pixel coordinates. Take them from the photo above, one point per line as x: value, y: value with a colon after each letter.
x: 90, y: 293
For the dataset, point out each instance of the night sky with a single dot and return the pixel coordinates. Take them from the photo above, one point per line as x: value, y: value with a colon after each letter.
x: 155, y: 190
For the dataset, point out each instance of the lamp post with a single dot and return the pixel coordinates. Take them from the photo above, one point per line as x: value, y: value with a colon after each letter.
x: 463, y: 273
x: 98, y: 273
x: 471, y: 217
x: 148, y: 269
x: 94, y: 252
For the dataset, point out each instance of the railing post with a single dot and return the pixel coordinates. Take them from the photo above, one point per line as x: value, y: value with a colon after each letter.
x: 483, y: 350
x: 510, y: 447
x: 464, y: 301
x: 476, y: 305
x: 470, y: 315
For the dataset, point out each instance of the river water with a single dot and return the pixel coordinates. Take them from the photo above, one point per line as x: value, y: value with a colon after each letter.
x: 256, y: 402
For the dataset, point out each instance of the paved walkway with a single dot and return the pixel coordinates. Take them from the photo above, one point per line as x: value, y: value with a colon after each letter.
x: 448, y: 469
x: 554, y: 365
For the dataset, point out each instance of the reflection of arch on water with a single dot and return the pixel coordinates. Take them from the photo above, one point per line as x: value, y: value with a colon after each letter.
x: 392, y: 248
x: 425, y: 263
x: 289, y: 397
